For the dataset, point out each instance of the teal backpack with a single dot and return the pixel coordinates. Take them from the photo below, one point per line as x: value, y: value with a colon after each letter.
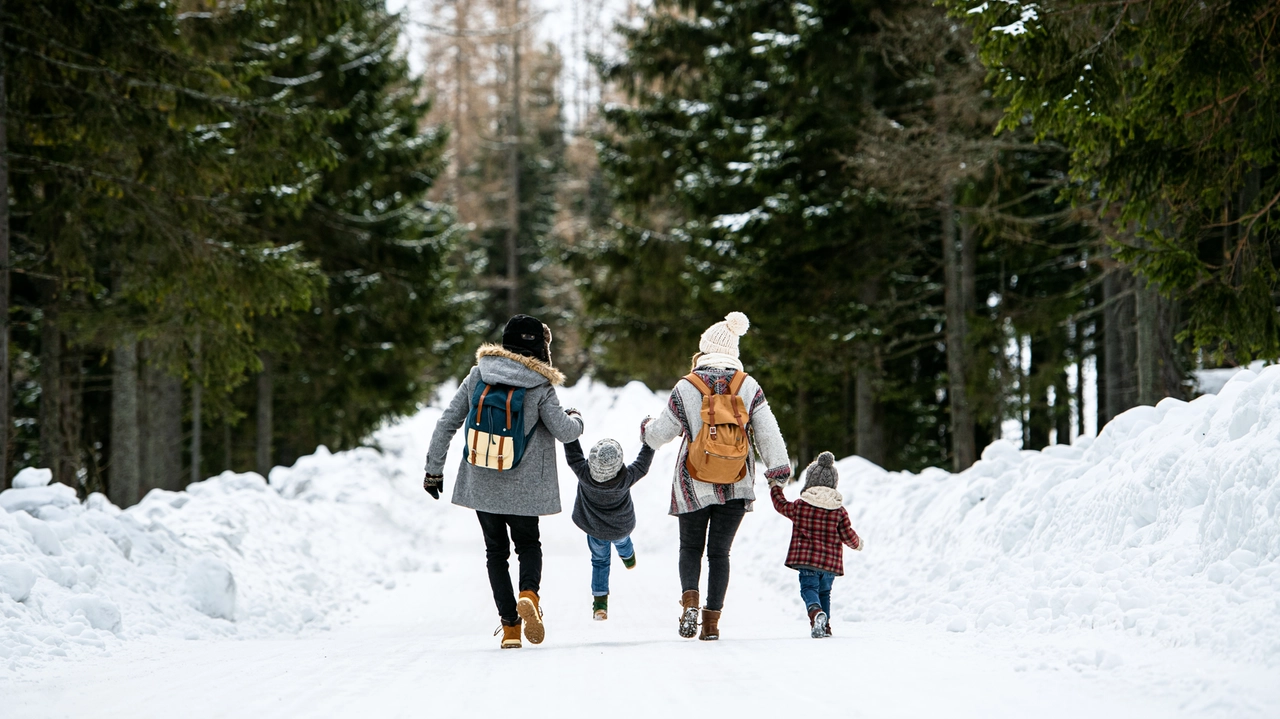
x: 495, y: 427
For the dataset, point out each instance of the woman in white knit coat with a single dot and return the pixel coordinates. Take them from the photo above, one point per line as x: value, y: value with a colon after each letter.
x: 710, y: 514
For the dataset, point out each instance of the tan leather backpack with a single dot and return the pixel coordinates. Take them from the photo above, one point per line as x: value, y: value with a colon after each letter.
x: 718, y: 454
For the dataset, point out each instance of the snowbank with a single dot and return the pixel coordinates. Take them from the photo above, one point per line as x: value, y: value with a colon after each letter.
x: 1167, y: 525
x: 234, y: 556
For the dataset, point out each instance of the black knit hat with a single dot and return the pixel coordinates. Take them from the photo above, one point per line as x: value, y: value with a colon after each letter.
x: 527, y: 336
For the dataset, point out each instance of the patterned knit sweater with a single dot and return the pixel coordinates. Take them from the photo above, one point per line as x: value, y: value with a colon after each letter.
x: 682, y: 418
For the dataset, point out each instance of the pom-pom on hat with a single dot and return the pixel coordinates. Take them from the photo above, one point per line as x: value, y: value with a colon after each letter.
x: 722, y: 337
x: 822, y: 473
x: 605, y: 460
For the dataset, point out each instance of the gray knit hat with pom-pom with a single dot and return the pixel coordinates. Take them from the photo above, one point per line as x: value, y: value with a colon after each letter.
x: 822, y: 473
x: 605, y: 460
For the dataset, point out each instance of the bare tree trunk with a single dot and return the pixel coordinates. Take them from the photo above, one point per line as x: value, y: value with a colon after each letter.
x: 197, y: 407
x: 870, y: 433
x: 5, y: 421
x: 1039, y: 418
x: 51, y: 442
x: 963, y: 451
x: 868, y: 429
x: 1100, y: 370
x: 846, y: 415
x: 149, y: 476
x: 227, y: 465
x: 168, y: 429
x: 1120, y: 339
x: 461, y: 14
x: 1079, y: 377
x: 513, y: 198
x: 1147, y: 321
x: 70, y: 418
x: 160, y: 423
x: 1062, y: 409
x: 124, y: 478
x: 802, y: 423
x: 265, y: 389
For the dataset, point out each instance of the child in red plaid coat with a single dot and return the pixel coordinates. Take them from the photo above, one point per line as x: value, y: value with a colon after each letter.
x: 820, y: 525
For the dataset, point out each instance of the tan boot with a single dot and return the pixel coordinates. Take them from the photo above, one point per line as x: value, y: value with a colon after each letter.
x: 689, y: 614
x: 531, y: 613
x: 710, y: 625
x: 510, y: 635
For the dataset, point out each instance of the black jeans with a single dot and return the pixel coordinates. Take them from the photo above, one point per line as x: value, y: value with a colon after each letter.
x: 722, y: 520
x: 497, y: 549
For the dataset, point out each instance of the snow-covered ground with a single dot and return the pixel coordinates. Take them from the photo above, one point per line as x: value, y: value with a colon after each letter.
x: 1136, y: 575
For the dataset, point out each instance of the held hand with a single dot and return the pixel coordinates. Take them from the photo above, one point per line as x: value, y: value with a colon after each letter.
x: 434, y: 484
x: 644, y: 424
x: 573, y: 412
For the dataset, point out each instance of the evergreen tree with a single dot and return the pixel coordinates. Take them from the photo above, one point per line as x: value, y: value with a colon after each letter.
x: 388, y: 327
x: 1168, y: 109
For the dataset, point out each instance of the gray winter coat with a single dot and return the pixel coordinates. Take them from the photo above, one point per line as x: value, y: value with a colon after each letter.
x: 533, y: 487
x: 604, y: 509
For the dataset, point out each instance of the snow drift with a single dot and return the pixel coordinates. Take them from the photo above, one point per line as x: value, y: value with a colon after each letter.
x: 233, y: 556
x: 1165, y: 526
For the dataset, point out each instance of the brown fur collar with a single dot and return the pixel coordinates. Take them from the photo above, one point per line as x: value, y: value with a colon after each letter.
x: 553, y: 375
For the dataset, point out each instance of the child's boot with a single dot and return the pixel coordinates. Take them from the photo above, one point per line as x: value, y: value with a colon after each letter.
x: 510, y: 635
x: 531, y: 613
x: 600, y: 608
x: 689, y: 614
x: 629, y: 562
x: 710, y: 625
x: 817, y: 622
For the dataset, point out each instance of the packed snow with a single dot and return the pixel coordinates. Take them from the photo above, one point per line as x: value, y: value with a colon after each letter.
x: 1135, y: 574
x: 233, y: 556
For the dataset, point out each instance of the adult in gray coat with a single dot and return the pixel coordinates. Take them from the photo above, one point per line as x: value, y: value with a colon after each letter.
x: 511, y: 500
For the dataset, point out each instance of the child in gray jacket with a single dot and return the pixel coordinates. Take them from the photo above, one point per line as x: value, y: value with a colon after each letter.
x: 604, y: 510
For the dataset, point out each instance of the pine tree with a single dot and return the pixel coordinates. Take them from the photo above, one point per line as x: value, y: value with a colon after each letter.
x: 1168, y: 109
x: 388, y: 326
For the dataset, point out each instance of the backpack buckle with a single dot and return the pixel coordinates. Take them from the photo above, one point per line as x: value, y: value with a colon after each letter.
x: 712, y: 431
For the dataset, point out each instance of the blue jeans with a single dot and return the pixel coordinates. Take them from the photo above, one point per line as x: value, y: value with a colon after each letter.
x: 600, y: 559
x: 815, y: 588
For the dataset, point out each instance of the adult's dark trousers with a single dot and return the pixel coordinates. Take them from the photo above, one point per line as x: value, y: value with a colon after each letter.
x: 497, y: 550
x: 711, y: 528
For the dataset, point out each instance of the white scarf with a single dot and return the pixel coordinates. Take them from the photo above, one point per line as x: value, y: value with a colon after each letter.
x: 719, y: 360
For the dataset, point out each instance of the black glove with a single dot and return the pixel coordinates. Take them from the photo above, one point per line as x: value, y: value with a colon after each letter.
x: 434, y: 484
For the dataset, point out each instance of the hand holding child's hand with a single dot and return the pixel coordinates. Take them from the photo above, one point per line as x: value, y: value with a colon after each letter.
x: 644, y: 424
x: 573, y: 412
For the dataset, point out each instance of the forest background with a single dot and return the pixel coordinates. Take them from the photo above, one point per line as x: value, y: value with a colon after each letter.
x: 236, y: 231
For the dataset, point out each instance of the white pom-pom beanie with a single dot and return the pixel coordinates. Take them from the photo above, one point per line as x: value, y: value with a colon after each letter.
x: 721, y: 338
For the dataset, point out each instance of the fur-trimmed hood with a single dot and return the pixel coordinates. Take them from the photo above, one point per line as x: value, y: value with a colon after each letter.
x: 552, y: 375
x: 822, y: 497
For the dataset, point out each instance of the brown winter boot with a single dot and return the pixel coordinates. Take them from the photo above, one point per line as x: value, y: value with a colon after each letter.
x: 710, y: 625
x: 531, y: 613
x: 818, y: 623
x: 689, y: 614
x: 510, y: 635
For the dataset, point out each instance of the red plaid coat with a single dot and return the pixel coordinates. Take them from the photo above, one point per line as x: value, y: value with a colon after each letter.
x: 816, y: 534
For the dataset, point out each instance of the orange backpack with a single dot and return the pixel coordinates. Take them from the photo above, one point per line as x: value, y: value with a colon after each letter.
x: 718, y: 454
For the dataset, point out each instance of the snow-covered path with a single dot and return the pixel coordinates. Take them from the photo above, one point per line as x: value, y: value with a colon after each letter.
x: 341, y: 528
x: 424, y: 649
